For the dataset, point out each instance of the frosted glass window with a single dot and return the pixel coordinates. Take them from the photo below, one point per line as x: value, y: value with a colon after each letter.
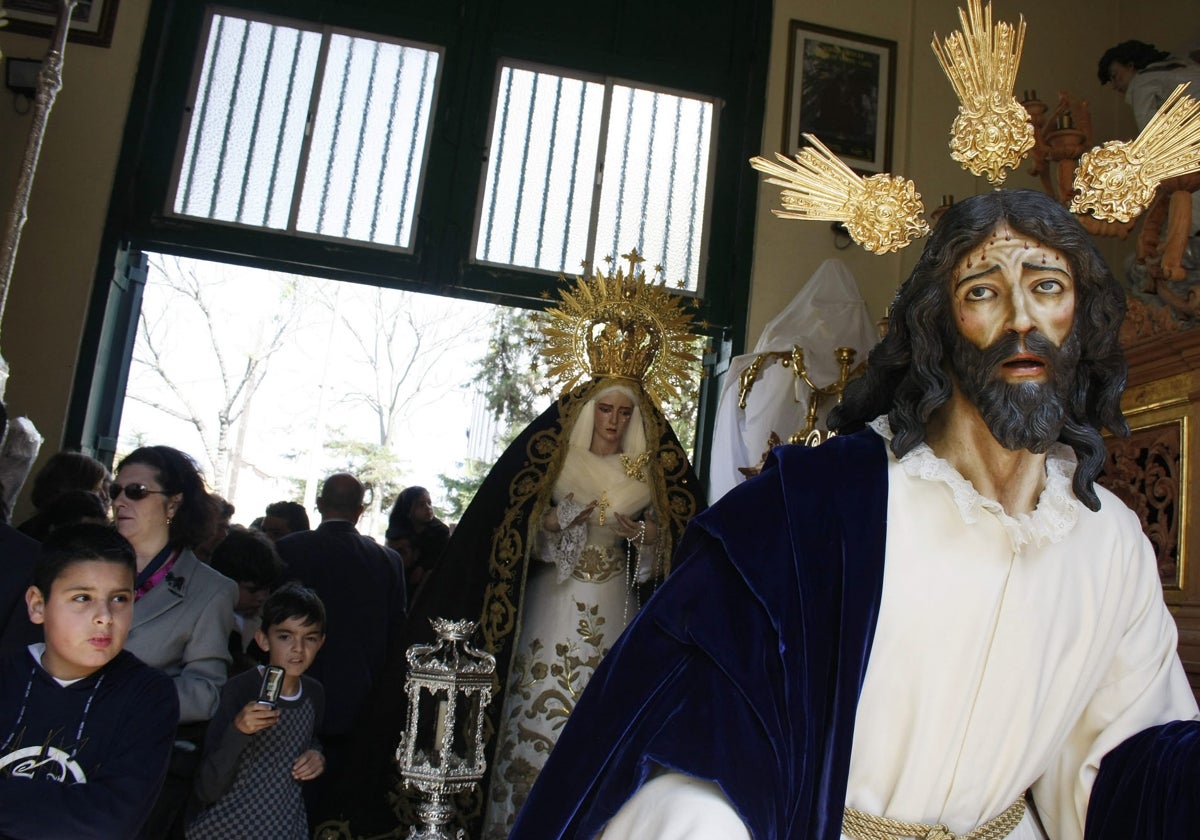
x: 251, y: 149
x: 556, y: 141
x: 656, y: 180
x: 538, y: 192
x: 369, y: 141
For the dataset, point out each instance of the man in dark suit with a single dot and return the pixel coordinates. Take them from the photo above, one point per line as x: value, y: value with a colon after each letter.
x: 362, y: 585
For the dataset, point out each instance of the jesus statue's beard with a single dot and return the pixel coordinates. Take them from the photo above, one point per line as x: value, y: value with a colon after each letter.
x: 1020, y: 415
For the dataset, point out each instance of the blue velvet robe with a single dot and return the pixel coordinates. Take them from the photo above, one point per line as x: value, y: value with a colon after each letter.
x: 762, y: 635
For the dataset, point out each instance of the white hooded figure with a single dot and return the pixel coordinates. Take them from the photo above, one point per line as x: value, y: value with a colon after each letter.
x: 828, y: 312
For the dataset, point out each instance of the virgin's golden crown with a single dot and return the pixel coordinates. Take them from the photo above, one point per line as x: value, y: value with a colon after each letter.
x: 622, y: 325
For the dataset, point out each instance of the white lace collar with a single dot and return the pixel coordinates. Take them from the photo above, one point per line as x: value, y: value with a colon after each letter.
x: 1057, y: 509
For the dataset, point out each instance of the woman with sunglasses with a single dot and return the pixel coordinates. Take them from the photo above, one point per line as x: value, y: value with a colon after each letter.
x: 183, y: 612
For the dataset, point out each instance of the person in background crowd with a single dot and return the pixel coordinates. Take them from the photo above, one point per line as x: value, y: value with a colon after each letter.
x: 223, y: 513
x: 63, y: 472
x: 1146, y: 76
x: 284, y: 518
x: 184, y: 609
x: 362, y: 586
x: 248, y: 558
x: 418, y: 535
x: 257, y: 756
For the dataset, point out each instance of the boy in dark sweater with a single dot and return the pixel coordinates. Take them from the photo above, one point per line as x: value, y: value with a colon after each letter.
x: 256, y: 755
x: 85, y: 727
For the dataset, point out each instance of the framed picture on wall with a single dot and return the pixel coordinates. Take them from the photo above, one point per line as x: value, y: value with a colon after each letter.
x: 91, y: 23
x: 840, y: 88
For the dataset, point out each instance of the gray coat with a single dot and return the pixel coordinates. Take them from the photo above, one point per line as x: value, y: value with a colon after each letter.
x: 182, y: 627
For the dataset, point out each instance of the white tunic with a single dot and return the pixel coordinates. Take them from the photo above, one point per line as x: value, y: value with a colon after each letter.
x: 1010, y: 652
x: 569, y: 621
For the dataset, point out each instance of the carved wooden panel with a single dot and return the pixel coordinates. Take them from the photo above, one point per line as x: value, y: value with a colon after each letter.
x: 1145, y: 471
x: 1164, y: 393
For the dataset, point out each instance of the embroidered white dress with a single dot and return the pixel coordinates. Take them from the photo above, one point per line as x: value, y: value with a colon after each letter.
x: 1010, y: 653
x: 577, y: 601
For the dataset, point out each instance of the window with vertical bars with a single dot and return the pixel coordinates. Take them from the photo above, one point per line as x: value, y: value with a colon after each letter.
x: 584, y: 169
x: 352, y: 170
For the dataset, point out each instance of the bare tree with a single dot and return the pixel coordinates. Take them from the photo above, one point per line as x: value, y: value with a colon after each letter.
x: 237, y: 358
x: 394, y: 346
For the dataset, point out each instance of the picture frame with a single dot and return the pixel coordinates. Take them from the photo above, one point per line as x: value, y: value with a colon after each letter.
x: 92, y: 22
x: 841, y: 88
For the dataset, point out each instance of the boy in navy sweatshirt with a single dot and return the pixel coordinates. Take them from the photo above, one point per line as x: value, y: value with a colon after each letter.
x: 85, y: 727
x: 257, y: 755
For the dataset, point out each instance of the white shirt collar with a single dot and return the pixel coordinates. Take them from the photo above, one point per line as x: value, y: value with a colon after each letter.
x: 1052, y: 519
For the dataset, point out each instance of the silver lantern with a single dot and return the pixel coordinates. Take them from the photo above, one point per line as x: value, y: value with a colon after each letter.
x: 449, y: 685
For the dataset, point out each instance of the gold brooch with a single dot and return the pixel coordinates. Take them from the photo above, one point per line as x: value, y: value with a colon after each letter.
x: 635, y: 467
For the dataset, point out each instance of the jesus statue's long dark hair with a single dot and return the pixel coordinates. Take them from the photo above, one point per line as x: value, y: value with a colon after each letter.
x: 908, y: 374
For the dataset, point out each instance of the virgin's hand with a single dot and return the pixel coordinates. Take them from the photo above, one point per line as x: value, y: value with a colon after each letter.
x: 625, y: 527
x: 550, y: 519
x: 583, y: 514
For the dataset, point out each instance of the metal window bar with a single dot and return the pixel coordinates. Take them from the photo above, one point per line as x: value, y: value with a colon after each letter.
x: 262, y: 93
x: 574, y: 168
x: 275, y: 155
x: 409, y: 154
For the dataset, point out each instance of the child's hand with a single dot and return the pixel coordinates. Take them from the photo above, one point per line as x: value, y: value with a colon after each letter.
x: 255, y: 717
x: 309, y: 765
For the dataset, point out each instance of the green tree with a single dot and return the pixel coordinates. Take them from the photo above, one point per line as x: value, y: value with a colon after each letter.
x: 375, y: 465
x: 460, y: 489
x: 682, y: 411
x: 512, y: 383
x: 511, y: 386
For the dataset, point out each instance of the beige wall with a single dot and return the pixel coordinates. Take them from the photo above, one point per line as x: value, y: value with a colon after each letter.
x: 56, y: 261
x: 1063, y: 41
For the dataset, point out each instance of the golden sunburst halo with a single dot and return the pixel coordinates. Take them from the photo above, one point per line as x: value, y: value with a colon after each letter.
x: 620, y: 324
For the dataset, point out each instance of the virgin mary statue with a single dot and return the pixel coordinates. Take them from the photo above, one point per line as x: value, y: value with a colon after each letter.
x: 574, y: 525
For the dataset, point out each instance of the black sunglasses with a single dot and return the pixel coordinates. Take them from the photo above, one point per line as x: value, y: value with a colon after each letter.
x: 133, y: 492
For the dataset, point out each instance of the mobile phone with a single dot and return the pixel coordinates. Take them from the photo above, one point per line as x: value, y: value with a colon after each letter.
x: 272, y: 684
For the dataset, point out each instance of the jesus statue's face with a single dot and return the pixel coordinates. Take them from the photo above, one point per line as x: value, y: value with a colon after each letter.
x: 1013, y: 284
x: 1014, y: 355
